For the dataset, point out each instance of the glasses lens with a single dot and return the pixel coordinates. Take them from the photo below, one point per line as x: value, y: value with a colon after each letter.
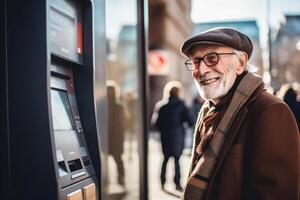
x: 211, y: 59
x: 192, y: 63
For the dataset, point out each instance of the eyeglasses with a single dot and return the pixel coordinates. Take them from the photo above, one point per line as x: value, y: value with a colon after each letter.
x: 210, y: 60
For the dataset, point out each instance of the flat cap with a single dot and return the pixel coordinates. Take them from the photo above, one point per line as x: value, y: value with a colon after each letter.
x: 219, y: 36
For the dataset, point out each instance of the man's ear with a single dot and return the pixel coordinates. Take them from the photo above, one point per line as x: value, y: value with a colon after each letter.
x: 242, y: 58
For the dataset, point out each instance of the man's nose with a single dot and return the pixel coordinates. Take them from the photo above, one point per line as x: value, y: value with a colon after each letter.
x: 203, y: 68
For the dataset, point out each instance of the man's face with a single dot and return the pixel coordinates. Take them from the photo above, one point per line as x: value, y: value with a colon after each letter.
x: 214, y: 82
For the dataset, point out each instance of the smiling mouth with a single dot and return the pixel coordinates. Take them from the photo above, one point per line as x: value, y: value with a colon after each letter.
x: 209, y: 81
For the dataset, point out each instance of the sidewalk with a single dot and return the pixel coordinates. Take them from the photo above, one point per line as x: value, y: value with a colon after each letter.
x: 154, y: 167
x: 155, y: 158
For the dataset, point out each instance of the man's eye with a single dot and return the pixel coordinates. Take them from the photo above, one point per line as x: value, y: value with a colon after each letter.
x: 195, y: 61
x: 211, y: 58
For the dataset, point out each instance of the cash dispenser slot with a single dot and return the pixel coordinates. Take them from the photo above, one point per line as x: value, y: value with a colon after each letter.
x: 75, y: 165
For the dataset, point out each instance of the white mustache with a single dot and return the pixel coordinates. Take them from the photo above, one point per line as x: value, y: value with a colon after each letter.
x: 209, y: 76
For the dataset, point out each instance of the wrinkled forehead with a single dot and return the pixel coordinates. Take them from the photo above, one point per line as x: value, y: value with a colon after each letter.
x: 202, y: 50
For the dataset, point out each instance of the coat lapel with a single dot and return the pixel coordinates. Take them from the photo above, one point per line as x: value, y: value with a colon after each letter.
x: 234, y: 130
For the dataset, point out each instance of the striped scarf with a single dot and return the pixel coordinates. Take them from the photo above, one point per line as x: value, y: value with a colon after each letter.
x: 211, y: 114
x: 210, y: 140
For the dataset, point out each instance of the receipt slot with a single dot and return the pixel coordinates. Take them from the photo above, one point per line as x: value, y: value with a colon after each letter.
x: 52, y: 146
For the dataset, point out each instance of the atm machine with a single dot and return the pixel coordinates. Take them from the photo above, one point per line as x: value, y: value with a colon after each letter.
x: 52, y: 144
x: 76, y: 174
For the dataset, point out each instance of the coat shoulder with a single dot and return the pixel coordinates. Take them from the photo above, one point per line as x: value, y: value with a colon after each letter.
x: 266, y: 101
x: 270, y: 115
x: 264, y: 115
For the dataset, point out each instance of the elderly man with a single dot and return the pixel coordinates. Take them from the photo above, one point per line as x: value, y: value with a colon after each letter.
x: 246, y: 143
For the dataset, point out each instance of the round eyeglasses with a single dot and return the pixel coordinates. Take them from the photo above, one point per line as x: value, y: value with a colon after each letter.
x: 210, y: 60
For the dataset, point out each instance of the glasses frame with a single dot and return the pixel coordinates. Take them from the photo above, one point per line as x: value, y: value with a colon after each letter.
x: 192, y: 67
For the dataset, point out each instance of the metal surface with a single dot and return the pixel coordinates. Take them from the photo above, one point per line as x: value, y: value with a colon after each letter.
x: 142, y: 29
x: 4, y: 136
x: 100, y: 84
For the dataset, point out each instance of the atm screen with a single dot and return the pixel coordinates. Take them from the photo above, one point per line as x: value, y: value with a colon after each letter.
x: 61, y: 110
x: 65, y: 34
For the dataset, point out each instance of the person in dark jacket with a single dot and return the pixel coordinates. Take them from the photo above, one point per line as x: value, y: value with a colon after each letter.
x: 297, y: 114
x: 246, y: 143
x: 196, y: 106
x: 290, y: 98
x: 172, y: 115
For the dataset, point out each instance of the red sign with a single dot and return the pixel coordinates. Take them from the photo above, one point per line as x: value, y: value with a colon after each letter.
x: 158, y: 62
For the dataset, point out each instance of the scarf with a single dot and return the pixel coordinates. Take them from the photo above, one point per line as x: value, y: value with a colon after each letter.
x: 211, y: 114
x: 209, y: 141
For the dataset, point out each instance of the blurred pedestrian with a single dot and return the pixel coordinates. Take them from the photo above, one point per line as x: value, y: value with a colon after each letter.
x: 290, y: 98
x: 195, y: 109
x: 171, y: 116
x: 196, y: 106
x: 116, y: 128
x: 247, y: 142
x: 297, y: 113
x: 131, y: 100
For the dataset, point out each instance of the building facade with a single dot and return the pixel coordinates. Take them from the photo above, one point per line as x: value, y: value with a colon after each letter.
x: 286, y: 52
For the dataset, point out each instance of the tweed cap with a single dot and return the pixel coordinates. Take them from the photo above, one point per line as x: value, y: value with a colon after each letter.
x: 219, y: 36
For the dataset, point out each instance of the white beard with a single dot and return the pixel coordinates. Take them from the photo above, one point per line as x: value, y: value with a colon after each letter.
x: 217, y: 89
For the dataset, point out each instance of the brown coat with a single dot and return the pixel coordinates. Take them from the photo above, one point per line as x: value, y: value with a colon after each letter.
x: 260, y: 158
